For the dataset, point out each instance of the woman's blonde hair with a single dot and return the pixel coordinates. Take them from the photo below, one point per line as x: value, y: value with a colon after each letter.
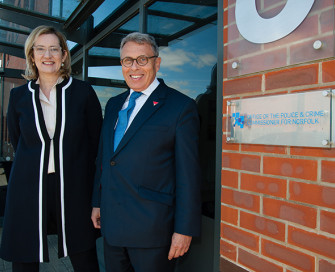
x: 31, y: 72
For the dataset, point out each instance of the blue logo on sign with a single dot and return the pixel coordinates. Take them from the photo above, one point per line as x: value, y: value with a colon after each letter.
x: 238, y: 120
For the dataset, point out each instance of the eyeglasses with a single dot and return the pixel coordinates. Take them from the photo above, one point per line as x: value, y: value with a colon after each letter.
x: 53, y: 50
x: 141, y: 60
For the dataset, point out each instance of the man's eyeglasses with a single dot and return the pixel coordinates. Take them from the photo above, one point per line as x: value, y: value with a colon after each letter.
x: 53, y: 50
x: 141, y: 60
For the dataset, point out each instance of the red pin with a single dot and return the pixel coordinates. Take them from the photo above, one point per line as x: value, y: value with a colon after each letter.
x: 155, y: 103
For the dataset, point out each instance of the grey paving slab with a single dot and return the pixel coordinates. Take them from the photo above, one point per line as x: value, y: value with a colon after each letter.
x: 55, y: 264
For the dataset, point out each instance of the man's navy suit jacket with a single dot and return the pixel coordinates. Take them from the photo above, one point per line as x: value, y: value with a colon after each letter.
x: 149, y: 187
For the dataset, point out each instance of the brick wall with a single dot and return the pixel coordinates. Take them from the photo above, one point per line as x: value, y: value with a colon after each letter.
x: 278, y: 202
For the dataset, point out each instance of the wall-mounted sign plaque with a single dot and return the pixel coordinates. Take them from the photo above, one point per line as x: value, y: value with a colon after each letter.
x: 299, y: 119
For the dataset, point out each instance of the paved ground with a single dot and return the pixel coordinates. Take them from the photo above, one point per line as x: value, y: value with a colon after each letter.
x: 55, y: 264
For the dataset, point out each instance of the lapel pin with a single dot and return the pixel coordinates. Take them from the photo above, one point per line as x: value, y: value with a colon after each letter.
x: 155, y: 103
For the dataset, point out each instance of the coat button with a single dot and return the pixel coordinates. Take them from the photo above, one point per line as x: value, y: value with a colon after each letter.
x: 113, y: 163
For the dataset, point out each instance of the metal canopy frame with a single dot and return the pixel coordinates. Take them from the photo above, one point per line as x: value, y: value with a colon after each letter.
x: 79, y: 27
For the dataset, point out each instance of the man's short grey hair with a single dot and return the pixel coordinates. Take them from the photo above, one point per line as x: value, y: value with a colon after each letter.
x: 140, y: 38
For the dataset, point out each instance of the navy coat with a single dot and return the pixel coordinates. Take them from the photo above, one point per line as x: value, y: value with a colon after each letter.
x: 150, y: 186
x: 78, y: 124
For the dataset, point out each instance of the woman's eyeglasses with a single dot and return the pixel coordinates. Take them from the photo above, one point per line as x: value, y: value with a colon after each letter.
x: 53, y: 50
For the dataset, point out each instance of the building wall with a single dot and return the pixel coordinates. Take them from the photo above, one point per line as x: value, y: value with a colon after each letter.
x: 278, y: 202
x: 13, y: 62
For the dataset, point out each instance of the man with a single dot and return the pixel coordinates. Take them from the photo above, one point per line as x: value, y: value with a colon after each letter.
x: 147, y: 190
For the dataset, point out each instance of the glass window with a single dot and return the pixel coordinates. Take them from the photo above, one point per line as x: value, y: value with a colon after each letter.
x: 191, y: 10
x: 187, y: 64
x: 165, y: 26
x: 63, y: 9
x: 132, y: 25
x: 13, y: 25
x: 110, y: 72
x: 12, y: 37
x: 105, y: 9
x: 6, y: 86
x: 103, y: 51
x: 56, y: 8
x: 106, y: 92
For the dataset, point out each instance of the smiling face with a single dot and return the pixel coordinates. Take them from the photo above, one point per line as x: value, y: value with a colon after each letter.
x: 139, y: 77
x: 48, y: 64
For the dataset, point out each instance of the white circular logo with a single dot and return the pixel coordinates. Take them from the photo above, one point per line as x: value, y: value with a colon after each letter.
x: 256, y: 29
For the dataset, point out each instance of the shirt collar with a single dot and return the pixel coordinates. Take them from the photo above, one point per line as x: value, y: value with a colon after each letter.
x: 59, y: 80
x: 53, y: 89
x: 148, y: 91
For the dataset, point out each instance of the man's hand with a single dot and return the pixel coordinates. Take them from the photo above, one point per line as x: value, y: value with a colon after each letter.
x: 96, y: 217
x: 179, y: 245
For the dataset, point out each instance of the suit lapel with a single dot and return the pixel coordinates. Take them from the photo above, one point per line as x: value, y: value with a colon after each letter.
x: 153, y: 103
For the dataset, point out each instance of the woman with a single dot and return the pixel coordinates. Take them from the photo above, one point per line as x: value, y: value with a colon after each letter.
x: 54, y: 124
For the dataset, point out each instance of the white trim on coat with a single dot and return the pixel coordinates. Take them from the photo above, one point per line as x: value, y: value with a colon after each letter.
x: 61, y: 167
x: 42, y: 158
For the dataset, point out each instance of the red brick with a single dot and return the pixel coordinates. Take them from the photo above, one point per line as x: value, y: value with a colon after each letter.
x: 258, y: 62
x: 328, y: 71
x: 242, y: 85
x: 224, y: 124
x: 288, y: 256
x: 313, y: 152
x: 298, y: 76
x: 256, y: 263
x: 225, y: 4
x: 325, y: 266
x: 269, y: 3
x: 297, y: 35
x: 224, y: 105
x: 327, y: 21
x: 225, y: 39
x: 233, y: 34
x: 304, y: 51
x: 15, y: 62
x: 327, y: 221
x: 229, y: 215
x: 239, y: 199
x: 241, y: 47
x: 229, y: 178
x: 241, y: 161
x: 322, y: 4
x: 264, y: 148
x: 268, y: 227
x: 228, y: 250
x: 328, y: 171
x: 225, y: 18
x: 291, y: 212
x: 311, y: 241
x: 229, y: 146
x: 225, y: 75
x: 241, y: 237
x: 312, y: 194
x: 231, y: 12
x: 263, y: 185
x: 226, y: 265
x: 308, y: 28
x: 269, y: 12
x: 296, y: 168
